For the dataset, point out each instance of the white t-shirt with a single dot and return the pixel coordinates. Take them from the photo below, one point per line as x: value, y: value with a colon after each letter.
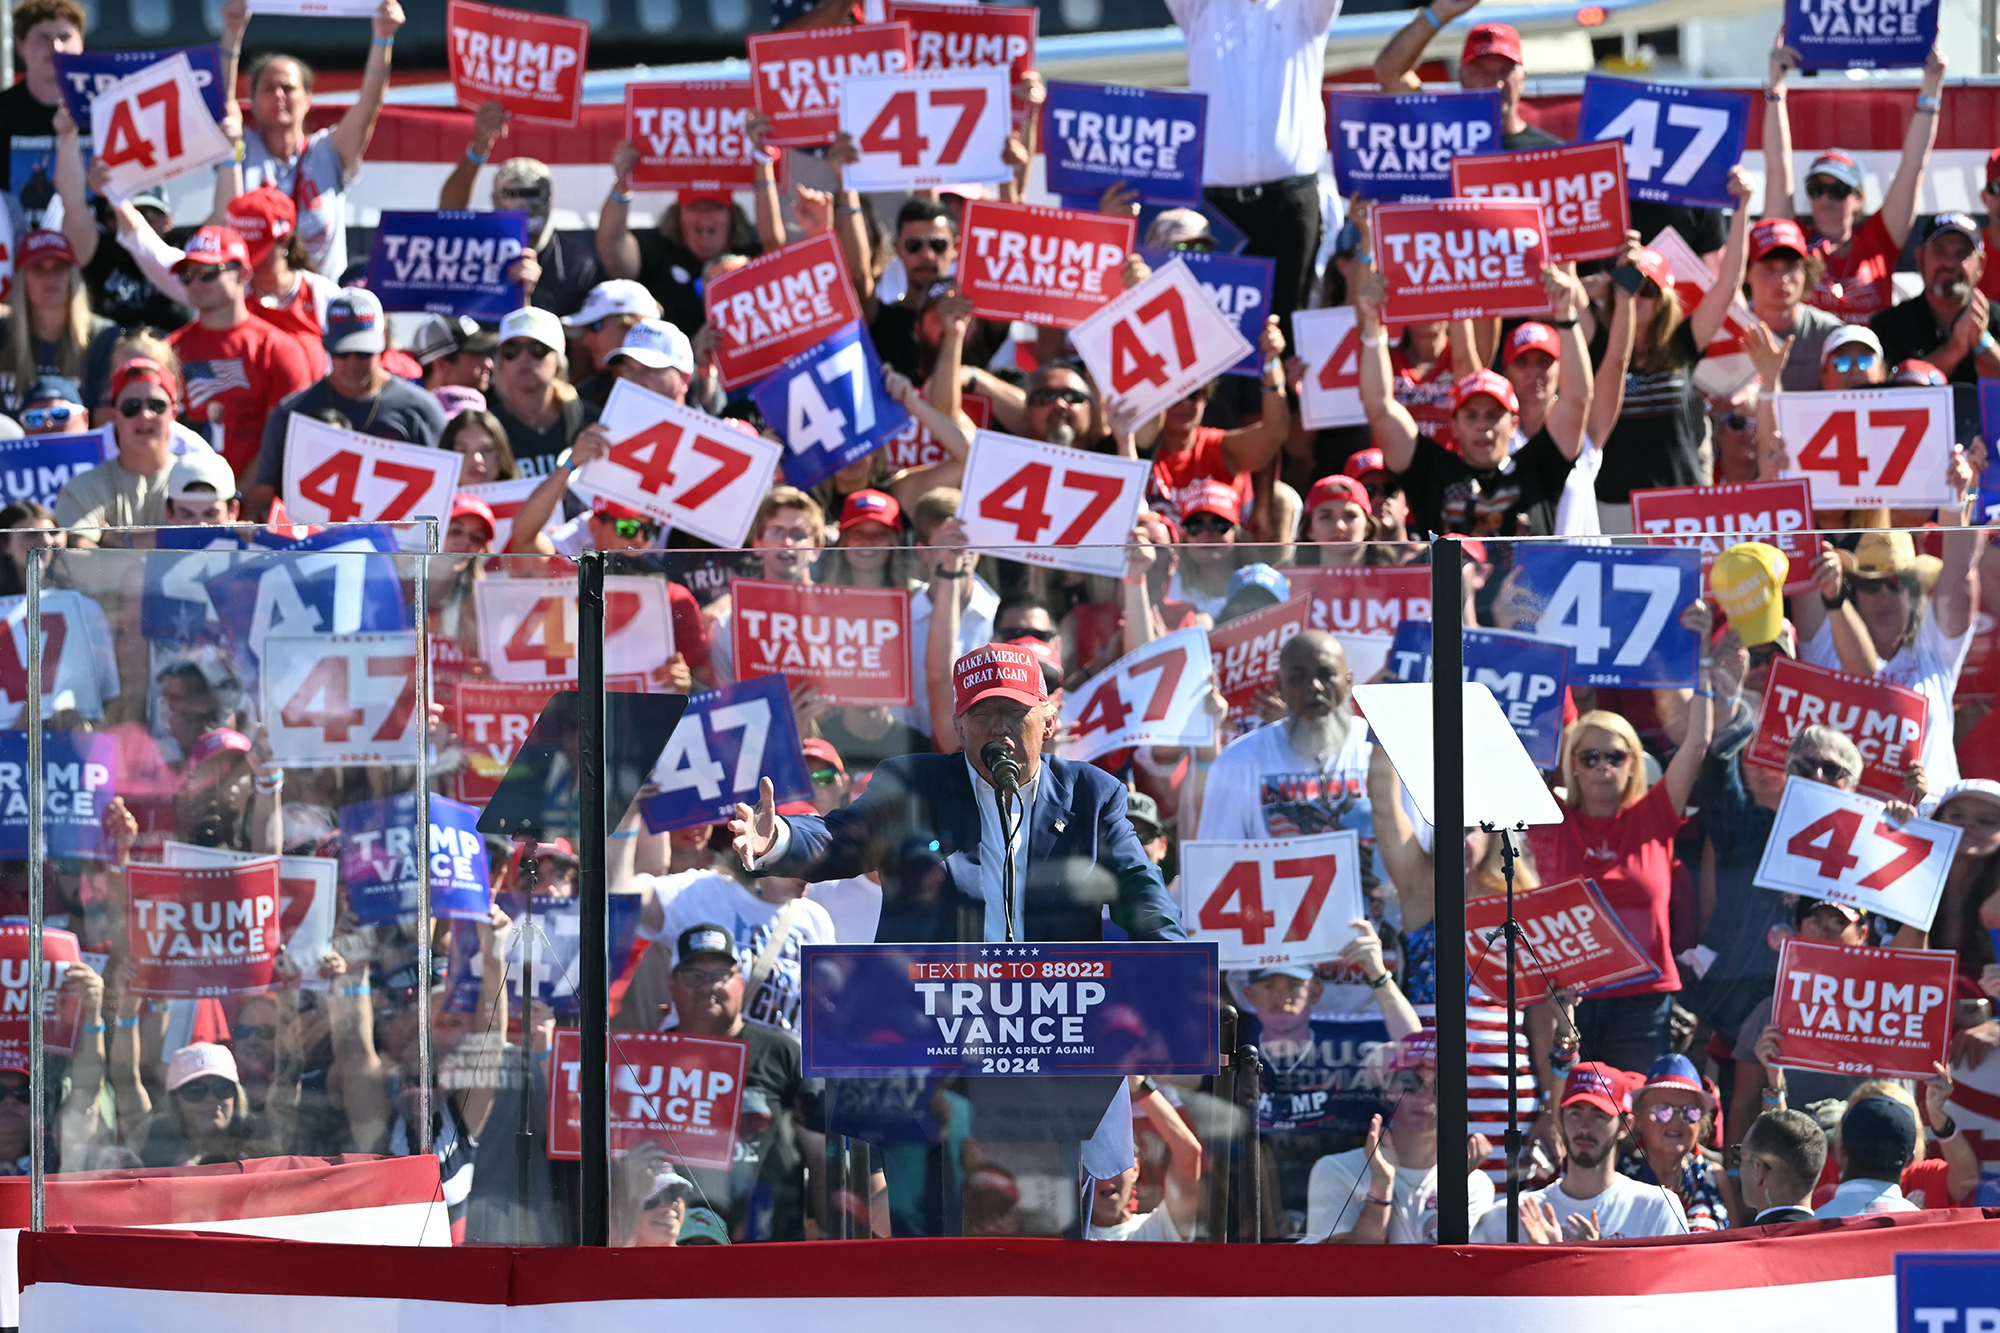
x: 1626, y: 1210
x: 703, y: 897
x: 1338, y: 1190
x: 854, y: 904
x: 1259, y: 787
x: 1930, y: 666
x: 1156, y: 1225
x: 975, y: 628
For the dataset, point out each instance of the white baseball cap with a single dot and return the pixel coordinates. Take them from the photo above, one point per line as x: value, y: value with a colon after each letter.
x: 1984, y: 789
x: 535, y: 324
x: 617, y: 296
x: 657, y: 345
x: 1850, y: 335
x: 200, y: 468
x: 198, y: 1061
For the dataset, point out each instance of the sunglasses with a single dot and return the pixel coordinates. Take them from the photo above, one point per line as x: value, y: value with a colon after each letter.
x: 705, y: 976
x: 825, y: 777
x: 206, y: 1090
x: 21, y: 1094
x: 1842, y: 363
x: 37, y: 417
x: 526, y: 192
x: 1823, y: 189
x: 1864, y: 584
x: 352, y: 356
x: 628, y: 528
x: 524, y: 348
x: 1206, y: 523
x: 261, y: 1031
x: 1830, y: 770
x: 1735, y: 421
x: 1043, y: 397
x: 207, y: 272
x: 132, y: 407
x: 1762, y: 654
x: 1662, y: 1114
x: 915, y: 245
x: 1198, y: 243
x: 1038, y: 635
x: 1595, y: 759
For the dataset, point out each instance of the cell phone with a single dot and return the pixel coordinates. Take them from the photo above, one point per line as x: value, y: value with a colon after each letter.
x: 1965, y: 423
x: 1628, y: 277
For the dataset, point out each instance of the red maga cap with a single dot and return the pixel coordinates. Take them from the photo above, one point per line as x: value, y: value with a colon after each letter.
x: 1337, y: 487
x: 1209, y: 496
x: 604, y: 508
x: 1598, y: 1084
x: 871, y: 507
x: 1491, y: 39
x: 1488, y: 383
x: 1776, y: 234
x: 997, y: 669
x: 1364, y: 461
x: 1655, y: 266
x: 469, y: 505
x: 39, y: 245
x: 263, y: 217
x: 1533, y: 337
x: 215, y: 245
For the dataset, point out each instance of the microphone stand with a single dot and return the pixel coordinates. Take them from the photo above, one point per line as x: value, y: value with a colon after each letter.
x: 1008, y: 797
x: 524, y: 1134
x: 1511, y: 929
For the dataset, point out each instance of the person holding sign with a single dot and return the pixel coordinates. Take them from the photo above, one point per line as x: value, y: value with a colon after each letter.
x: 568, y: 259
x: 531, y: 393
x: 1950, y: 323
x: 699, y: 227
x: 130, y: 490
x: 1491, y: 58
x: 42, y: 28
x: 1968, y: 914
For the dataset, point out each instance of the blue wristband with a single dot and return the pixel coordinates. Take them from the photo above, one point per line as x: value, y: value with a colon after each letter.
x: 357, y: 988
x: 1433, y: 18
x: 385, y: 42
x: 128, y: 1022
x: 477, y: 158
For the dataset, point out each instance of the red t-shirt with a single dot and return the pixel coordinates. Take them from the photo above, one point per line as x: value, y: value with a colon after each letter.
x: 247, y: 370
x: 1174, y: 475
x: 1631, y: 856
x: 1857, y: 284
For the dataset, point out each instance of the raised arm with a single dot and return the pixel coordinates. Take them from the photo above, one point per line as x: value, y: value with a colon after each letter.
x: 1396, y: 66
x: 1957, y: 590
x: 1249, y: 448
x: 764, y: 185
x: 1182, y: 1196
x: 357, y: 127
x: 79, y: 228
x: 1404, y: 859
x: 1390, y: 425
x: 1899, y: 204
x: 1685, y: 766
x: 1607, y: 398
x: 1778, y: 185
x: 951, y: 575
x: 617, y: 249
x: 1570, y: 412
x: 1706, y: 321
x: 488, y: 124
x: 591, y: 444
x: 852, y: 228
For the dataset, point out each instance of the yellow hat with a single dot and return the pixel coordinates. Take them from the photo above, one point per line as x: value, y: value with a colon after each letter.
x: 1748, y: 581
x: 1880, y: 555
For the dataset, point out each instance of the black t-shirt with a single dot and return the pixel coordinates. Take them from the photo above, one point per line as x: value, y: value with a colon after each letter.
x: 569, y: 270
x: 894, y: 333
x: 123, y: 294
x: 672, y: 274
x: 28, y: 150
x: 1447, y: 494
x: 93, y: 377
x: 401, y: 411
x: 1658, y: 436
x: 1529, y: 136
x: 537, y: 450
x: 1910, y: 329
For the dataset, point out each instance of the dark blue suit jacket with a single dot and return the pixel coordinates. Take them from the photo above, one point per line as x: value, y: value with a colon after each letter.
x: 917, y: 824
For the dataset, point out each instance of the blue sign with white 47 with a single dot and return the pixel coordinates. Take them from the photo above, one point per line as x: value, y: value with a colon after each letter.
x: 829, y: 404
x: 340, y: 581
x: 1679, y: 142
x: 1616, y: 608
x: 1527, y: 676
x: 727, y: 740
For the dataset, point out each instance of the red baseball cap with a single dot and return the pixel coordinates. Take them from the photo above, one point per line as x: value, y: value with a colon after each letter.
x: 215, y: 245
x: 263, y: 217
x: 1415, y: 1050
x: 604, y: 508
x: 42, y: 244
x: 871, y: 507
x: 1046, y: 654
x: 723, y: 198
x: 1486, y: 382
x: 471, y: 505
x: 1532, y: 337
x: 1598, y: 1084
x: 1337, y: 487
x: 212, y: 743
x: 146, y: 369
x: 1491, y: 39
x: 1209, y: 496
x: 1362, y: 462
x: 1776, y: 234
x: 1654, y: 265
x: 1912, y: 373
x: 998, y: 669
x: 815, y: 748
x: 1471, y: 546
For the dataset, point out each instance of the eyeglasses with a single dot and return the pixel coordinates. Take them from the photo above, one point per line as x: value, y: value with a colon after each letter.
x: 1860, y: 361
x: 132, y: 407
x: 825, y: 777
x: 1737, y: 1157
x: 778, y: 534
x: 206, y: 1090
x: 37, y: 417
x: 351, y: 356
x: 20, y: 1094
x: 1828, y: 770
x: 1762, y: 654
x: 628, y: 528
x: 1043, y: 397
x: 207, y: 272
x: 1889, y: 584
x: 525, y: 192
x: 705, y: 976
x: 261, y: 1031
x: 522, y: 347
x: 1735, y: 421
x: 915, y: 245
x: 1595, y: 759
x: 1207, y: 523
x: 1826, y: 189
x: 1038, y: 635
x: 1662, y: 1113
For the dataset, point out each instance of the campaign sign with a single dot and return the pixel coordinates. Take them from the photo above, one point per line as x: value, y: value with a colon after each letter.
x: 1246, y: 651
x: 1365, y: 599
x: 693, y: 136
x: 953, y: 37
x: 1692, y: 279
x: 778, y: 305
x: 307, y: 888
x: 1680, y: 142
x: 1570, y: 940
x: 1048, y: 266
x: 1840, y: 34
x: 1155, y: 696
x: 920, y: 131
x: 37, y: 467
x: 672, y: 1089
x: 1527, y: 675
x: 915, y: 446
x: 1461, y: 259
x: 532, y: 64
x: 319, y: 9
x: 1581, y: 187
x: 174, y: 604
x: 1616, y: 608
x: 1098, y: 135
x: 505, y: 498
x: 1866, y: 448
x: 73, y: 632
x: 342, y: 476
x: 79, y: 778
x: 727, y: 740
x: 1399, y: 146
x: 342, y: 700
x: 341, y: 581
x: 378, y: 859
x: 1273, y: 902
x: 795, y: 77
x: 1836, y: 845
x: 152, y: 125
x: 527, y: 627
x: 1049, y: 505
x: 197, y: 933
x: 830, y: 404
x: 59, y: 1027
x: 448, y: 263
x: 1711, y: 519
x: 1238, y: 286
x: 553, y: 948
x: 1871, y: 1013
x: 1043, y: 1008
x: 492, y: 720
x: 1886, y: 722
x: 1947, y: 1293
x: 1329, y: 346
x: 1989, y: 429
x: 683, y: 467
x: 853, y: 644
x: 1153, y: 344
x: 82, y: 75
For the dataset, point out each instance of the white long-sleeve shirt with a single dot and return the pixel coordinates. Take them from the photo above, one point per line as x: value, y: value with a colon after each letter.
x: 1261, y: 63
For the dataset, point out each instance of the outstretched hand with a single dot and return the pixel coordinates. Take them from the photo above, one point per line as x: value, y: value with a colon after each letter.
x: 754, y: 832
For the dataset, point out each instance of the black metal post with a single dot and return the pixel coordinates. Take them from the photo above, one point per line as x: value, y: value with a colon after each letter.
x: 1215, y: 1208
x: 1250, y: 1193
x: 525, y: 1163
x: 593, y: 966
x: 1448, y: 881
x: 1513, y: 1134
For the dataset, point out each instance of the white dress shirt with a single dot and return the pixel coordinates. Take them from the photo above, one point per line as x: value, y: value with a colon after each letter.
x: 1261, y: 63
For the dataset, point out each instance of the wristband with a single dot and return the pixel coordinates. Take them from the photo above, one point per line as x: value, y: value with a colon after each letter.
x: 1927, y: 106
x: 131, y: 1022
x: 1985, y: 343
x: 1834, y: 603
x: 275, y: 782
x: 1704, y: 694
x: 1770, y: 96
x: 1774, y: 1096
x: 619, y: 197
x: 353, y: 988
x: 1377, y: 983
x: 477, y: 159
x: 1431, y: 18
x: 846, y: 212
x: 90, y: 1028
x: 385, y: 42
x: 238, y: 152
x: 1560, y: 323
x: 1383, y: 1202
x: 1379, y: 340
x: 1945, y: 1135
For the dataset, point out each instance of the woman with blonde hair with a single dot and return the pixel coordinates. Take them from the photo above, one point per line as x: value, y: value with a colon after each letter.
x: 50, y: 329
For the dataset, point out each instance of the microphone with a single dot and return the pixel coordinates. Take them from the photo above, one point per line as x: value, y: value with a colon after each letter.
x: 1002, y: 764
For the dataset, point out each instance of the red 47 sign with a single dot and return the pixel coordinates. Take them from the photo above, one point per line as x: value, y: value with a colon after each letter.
x: 527, y: 627
x: 686, y: 469
x: 1273, y: 903
x: 74, y: 633
x: 1865, y: 448
x: 1831, y: 844
x: 152, y: 125
x: 1058, y: 507
x: 341, y: 476
x: 1154, y: 344
x: 920, y: 130
x: 341, y: 700
x: 1330, y: 347
x: 1156, y: 696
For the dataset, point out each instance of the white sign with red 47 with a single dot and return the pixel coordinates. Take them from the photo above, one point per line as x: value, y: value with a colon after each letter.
x: 1156, y: 696
x: 1330, y: 347
x: 1864, y: 448
x: 1155, y: 344
x: 527, y: 627
x: 915, y: 131
x: 1835, y: 845
x: 687, y: 469
x: 152, y: 125
x: 341, y: 700
x: 1275, y: 902
x: 1059, y: 507
x: 341, y: 476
